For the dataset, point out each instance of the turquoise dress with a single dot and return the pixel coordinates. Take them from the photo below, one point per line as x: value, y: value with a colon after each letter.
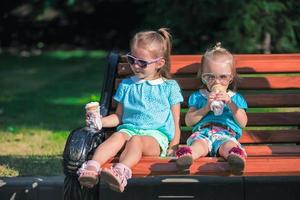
x: 147, y: 104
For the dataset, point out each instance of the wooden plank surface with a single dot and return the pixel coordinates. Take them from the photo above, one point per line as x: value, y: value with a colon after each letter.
x: 247, y: 63
x: 270, y: 136
x: 266, y: 119
x: 274, y: 150
x: 260, y: 136
x: 255, y: 166
x: 273, y: 100
x: 259, y: 100
x: 263, y: 100
x: 178, y: 68
x: 250, y: 83
x: 278, y: 118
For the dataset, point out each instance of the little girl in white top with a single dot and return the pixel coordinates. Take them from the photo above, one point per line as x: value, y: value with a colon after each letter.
x: 217, y: 113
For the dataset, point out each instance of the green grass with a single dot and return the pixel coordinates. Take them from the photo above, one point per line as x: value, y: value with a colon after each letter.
x: 42, y: 99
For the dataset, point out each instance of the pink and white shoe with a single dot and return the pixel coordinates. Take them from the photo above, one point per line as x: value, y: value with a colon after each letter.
x: 184, y: 158
x: 89, y: 173
x: 116, y: 176
x: 237, y: 160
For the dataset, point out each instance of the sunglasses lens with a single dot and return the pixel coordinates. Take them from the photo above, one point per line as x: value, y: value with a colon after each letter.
x: 130, y: 60
x: 142, y: 64
x: 225, y: 77
x: 208, y: 77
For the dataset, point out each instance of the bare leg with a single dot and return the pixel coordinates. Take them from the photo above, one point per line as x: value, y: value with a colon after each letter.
x: 236, y: 159
x: 225, y: 147
x: 117, y: 176
x: 89, y: 175
x: 186, y: 155
x: 138, y: 146
x: 199, y: 149
x: 110, y: 147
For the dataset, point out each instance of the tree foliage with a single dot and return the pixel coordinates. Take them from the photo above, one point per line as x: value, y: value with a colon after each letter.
x: 249, y: 26
x: 244, y: 26
x: 265, y: 26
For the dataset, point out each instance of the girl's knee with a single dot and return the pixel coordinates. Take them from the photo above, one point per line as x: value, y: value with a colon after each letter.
x: 200, y: 148
x: 226, y: 146
x: 119, y: 136
x: 229, y: 144
x: 135, y: 140
x: 134, y: 143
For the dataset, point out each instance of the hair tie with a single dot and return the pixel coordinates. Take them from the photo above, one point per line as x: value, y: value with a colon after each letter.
x: 217, y: 46
x: 161, y: 33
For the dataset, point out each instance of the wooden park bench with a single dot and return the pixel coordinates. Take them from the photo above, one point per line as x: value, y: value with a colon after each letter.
x: 271, y: 86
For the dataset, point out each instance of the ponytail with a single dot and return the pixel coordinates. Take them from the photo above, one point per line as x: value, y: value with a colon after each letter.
x: 165, y: 70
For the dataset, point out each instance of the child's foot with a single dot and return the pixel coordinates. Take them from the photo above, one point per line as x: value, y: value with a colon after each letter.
x: 236, y: 160
x: 89, y: 173
x: 116, y: 176
x: 184, y: 158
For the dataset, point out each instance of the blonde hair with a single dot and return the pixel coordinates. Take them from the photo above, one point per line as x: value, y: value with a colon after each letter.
x: 219, y: 52
x: 158, y: 43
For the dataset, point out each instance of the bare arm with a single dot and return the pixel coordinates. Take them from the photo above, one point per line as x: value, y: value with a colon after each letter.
x: 194, y: 115
x: 176, y: 116
x: 115, y: 119
x: 239, y: 114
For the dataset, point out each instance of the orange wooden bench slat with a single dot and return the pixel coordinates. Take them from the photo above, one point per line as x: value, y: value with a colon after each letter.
x: 278, y: 118
x: 249, y: 57
x: 253, y: 83
x: 271, y: 150
x: 269, y: 82
x: 189, y: 64
x: 274, y: 150
x: 264, y: 100
x: 263, y: 165
x: 265, y: 119
x: 244, y: 67
x: 259, y: 100
x: 270, y: 136
x: 273, y: 100
x: 260, y: 136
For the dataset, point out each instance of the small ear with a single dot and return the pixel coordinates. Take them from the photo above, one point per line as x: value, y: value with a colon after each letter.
x: 231, y: 80
x: 160, y: 63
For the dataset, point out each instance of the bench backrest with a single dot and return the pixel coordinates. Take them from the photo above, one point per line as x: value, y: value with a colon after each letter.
x: 269, y: 83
